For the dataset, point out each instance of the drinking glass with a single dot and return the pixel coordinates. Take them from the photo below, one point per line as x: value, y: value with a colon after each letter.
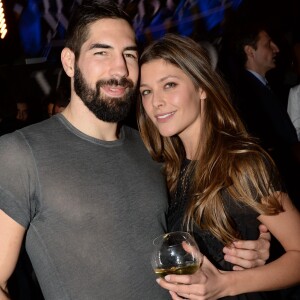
x: 175, y: 253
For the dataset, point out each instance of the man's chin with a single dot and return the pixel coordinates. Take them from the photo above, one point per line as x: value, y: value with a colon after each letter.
x: 112, y: 116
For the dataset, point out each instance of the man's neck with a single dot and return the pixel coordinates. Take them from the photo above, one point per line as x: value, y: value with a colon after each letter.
x: 255, y: 68
x: 85, y: 121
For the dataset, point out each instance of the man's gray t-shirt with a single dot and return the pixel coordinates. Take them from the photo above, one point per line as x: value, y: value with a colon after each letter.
x: 92, y: 209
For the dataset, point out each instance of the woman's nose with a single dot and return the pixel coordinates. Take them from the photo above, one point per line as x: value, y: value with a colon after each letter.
x: 158, y: 100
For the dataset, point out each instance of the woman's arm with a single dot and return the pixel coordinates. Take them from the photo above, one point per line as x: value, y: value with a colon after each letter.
x: 210, y: 283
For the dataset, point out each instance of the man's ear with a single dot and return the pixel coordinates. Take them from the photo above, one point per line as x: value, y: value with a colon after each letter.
x: 68, y: 61
x: 249, y: 51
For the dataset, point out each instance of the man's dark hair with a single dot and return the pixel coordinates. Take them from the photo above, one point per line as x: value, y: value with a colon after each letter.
x: 247, y: 35
x: 87, y: 13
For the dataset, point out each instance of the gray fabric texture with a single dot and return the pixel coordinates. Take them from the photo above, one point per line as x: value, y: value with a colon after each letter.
x: 92, y: 209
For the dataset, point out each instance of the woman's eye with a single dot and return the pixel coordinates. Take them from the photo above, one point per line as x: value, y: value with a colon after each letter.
x: 145, y: 92
x: 170, y: 85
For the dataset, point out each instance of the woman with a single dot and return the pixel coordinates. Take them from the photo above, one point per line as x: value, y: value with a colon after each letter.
x: 222, y: 184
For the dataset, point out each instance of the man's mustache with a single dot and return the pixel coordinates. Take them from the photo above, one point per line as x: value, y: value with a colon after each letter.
x: 123, y: 82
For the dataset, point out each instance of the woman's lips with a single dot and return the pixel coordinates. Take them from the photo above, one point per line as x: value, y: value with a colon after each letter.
x: 164, y: 117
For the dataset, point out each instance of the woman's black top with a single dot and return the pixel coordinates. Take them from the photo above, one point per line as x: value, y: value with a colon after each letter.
x: 244, y: 218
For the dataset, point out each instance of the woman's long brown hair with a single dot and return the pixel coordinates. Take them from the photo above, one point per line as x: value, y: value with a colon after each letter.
x: 228, y: 160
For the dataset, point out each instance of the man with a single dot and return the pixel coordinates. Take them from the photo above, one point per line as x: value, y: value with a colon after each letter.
x: 83, y: 188
x: 83, y: 185
x: 261, y: 109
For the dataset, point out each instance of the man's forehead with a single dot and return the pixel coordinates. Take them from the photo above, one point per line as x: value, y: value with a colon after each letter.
x: 112, y: 26
x: 112, y: 32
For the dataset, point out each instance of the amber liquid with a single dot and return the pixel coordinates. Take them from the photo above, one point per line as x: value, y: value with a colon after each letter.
x: 180, y: 270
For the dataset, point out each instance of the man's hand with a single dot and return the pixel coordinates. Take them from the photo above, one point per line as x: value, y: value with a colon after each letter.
x: 249, y: 254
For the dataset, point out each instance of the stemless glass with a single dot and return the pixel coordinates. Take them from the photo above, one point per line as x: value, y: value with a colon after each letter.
x: 175, y: 253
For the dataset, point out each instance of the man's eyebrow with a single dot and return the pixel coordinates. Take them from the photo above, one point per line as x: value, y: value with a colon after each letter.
x: 98, y: 45
x: 105, y: 46
x: 131, y: 48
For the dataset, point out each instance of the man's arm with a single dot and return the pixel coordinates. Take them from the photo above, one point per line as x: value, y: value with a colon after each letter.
x: 249, y: 254
x: 11, y: 237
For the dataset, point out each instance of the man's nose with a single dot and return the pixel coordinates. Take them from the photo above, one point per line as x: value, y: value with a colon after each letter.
x: 119, y: 67
x: 275, y: 48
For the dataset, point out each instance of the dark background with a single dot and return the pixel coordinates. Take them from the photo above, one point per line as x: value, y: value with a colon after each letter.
x: 30, y: 52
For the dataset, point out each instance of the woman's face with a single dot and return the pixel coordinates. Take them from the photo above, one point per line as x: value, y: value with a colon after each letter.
x: 171, y: 100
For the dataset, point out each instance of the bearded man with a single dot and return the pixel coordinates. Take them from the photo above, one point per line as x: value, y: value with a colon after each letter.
x: 82, y: 188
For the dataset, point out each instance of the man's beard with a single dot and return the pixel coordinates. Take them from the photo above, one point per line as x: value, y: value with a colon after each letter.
x: 105, y: 108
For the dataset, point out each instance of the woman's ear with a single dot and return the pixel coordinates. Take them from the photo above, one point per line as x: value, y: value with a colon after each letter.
x: 202, y: 94
x: 68, y: 61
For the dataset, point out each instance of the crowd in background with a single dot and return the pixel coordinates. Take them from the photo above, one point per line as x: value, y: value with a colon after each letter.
x: 35, y: 84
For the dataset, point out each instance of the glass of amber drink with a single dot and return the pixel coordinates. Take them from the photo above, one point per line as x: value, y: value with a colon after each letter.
x: 175, y: 253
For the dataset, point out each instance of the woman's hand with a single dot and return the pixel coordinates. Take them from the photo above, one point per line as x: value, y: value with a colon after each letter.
x: 208, y: 283
x: 249, y: 254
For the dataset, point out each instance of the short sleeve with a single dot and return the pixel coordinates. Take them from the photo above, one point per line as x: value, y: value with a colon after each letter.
x: 17, y: 178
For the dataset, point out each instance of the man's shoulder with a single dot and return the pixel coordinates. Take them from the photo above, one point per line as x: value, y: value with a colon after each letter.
x: 131, y: 133
x: 250, y: 86
x: 249, y: 78
x: 135, y: 143
x: 45, y: 125
x: 13, y: 147
x: 35, y: 133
